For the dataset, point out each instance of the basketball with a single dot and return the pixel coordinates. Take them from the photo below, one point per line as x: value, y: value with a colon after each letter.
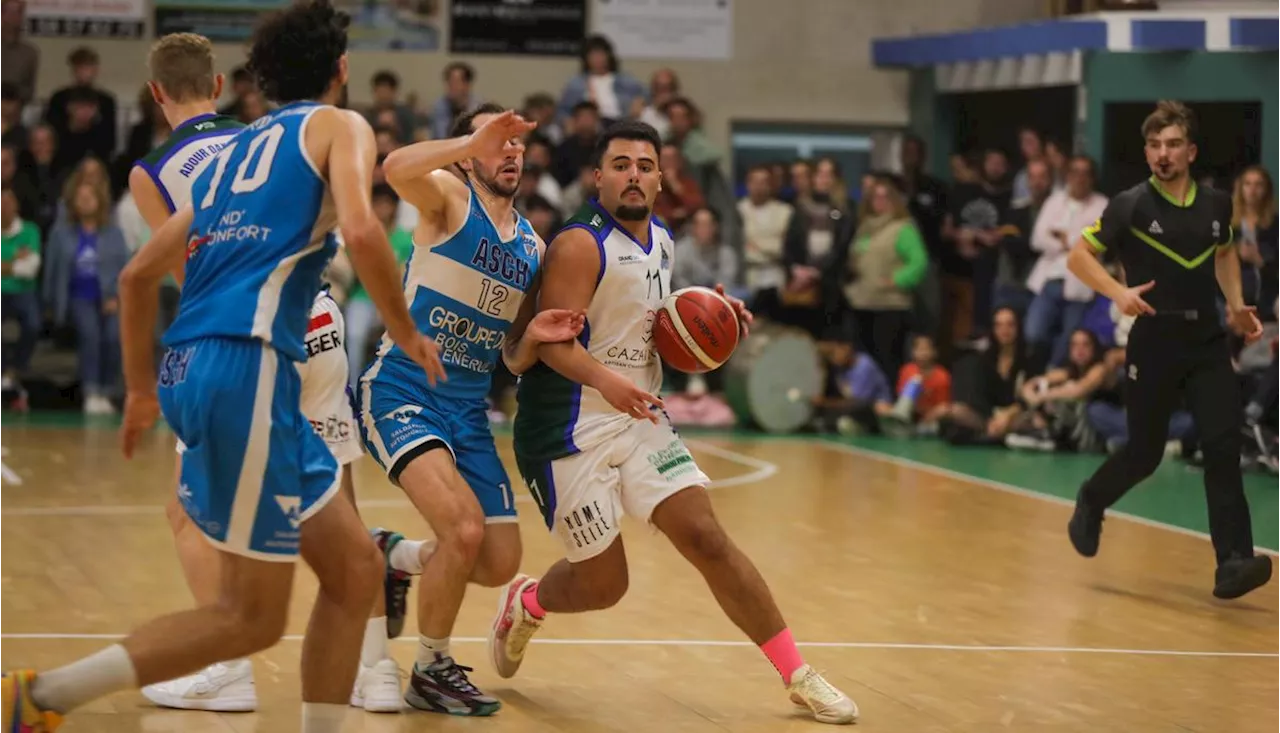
x: 695, y: 330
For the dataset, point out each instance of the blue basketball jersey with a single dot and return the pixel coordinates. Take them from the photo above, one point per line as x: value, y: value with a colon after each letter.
x: 260, y: 239
x: 464, y: 294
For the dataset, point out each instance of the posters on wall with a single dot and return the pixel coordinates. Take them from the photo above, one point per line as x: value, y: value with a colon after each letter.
x: 666, y: 29
x: 379, y: 25
x: 86, y: 18
x: 542, y: 27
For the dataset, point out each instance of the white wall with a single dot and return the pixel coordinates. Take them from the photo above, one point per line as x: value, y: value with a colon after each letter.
x: 794, y: 60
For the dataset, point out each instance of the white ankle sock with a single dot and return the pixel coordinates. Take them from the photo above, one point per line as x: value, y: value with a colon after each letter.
x: 428, y: 649
x: 323, y: 717
x: 66, y: 688
x: 374, y: 648
x: 406, y: 556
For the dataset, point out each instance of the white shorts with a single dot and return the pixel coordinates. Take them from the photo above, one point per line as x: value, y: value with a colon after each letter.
x: 583, y: 496
x: 325, y: 400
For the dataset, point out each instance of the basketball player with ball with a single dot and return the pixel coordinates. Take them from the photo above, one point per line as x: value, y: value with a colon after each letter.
x: 592, y: 441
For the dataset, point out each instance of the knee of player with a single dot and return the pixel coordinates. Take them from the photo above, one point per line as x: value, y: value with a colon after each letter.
x: 464, y: 536
x: 252, y: 627
x: 496, y: 569
x: 365, y: 572
x: 706, y: 540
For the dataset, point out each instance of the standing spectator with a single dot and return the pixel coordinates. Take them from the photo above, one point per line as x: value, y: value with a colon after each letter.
x: 83, y: 115
x: 927, y: 202
x: 86, y: 254
x: 1253, y: 217
x: 764, y: 223
x: 242, y: 84
x: 1056, y: 156
x: 20, y: 259
x: 540, y: 107
x: 21, y: 59
x: 1032, y: 146
x: 386, y: 97
x: 664, y: 86
x: 702, y: 258
x: 1061, y: 299
x: 680, y: 194
x: 964, y: 168
x: 614, y: 92
x: 973, y: 226
x: 1016, y: 258
x: 800, y: 181
x: 457, y: 100
x: 884, y: 266
x: 579, y: 144
x: 15, y: 133
x: 38, y: 166
x: 359, y: 312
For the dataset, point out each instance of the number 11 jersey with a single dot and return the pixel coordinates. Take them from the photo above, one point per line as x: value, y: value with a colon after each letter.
x: 260, y: 238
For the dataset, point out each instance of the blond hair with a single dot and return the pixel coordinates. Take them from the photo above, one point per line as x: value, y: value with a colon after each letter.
x: 1268, y: 212
x: 182, y: 65
x: 101, y: 190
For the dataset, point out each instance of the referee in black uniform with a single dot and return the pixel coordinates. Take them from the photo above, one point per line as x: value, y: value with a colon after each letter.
x: 1174, y: 243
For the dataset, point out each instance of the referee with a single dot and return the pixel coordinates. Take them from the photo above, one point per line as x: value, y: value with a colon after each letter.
x: 1174, y: 242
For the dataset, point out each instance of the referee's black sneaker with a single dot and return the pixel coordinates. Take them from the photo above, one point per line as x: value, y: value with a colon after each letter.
x: 1085, y: 528
x: 1238, y: 575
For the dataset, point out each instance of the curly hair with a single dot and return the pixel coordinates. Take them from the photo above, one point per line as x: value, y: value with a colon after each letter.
x: 296, y: 50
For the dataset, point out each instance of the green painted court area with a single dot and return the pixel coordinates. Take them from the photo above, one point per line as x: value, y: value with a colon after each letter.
x: 1173, y: 495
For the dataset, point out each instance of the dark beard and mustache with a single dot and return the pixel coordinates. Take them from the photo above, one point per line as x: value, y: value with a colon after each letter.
x: 491, y: 184
x: 630, y: 212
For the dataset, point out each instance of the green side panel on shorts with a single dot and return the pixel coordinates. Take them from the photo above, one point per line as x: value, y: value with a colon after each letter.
x: 543, y: 427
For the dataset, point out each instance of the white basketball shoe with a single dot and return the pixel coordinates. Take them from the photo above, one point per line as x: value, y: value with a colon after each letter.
x: 828, y: 704
x: 377, y: 688
x: 225, y: 687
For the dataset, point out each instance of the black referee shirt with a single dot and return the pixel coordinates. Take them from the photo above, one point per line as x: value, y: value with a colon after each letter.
x: 1171, y: 242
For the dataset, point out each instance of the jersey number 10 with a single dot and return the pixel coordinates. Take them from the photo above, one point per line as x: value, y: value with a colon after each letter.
x: 268, y: 142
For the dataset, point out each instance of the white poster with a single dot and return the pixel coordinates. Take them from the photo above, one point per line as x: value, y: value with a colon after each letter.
x: 666, y: 29
x: 82, y: 18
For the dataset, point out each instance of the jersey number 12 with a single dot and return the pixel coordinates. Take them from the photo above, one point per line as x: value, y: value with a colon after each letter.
x: 267, y: 142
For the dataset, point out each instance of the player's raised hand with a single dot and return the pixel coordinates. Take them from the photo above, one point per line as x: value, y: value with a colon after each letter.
x: 492, y: 137
x: 629, y: 399
x: 554, y: 325
x: 141, y: 410
x: 1244, y: 321
x: 425, y: 354
x: 1130, y: 301
x: 744, y: 315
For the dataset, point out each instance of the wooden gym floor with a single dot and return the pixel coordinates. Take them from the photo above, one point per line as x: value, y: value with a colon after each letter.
x: 935, y: 601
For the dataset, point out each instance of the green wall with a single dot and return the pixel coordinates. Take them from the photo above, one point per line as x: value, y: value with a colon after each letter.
x: 1190, y: 77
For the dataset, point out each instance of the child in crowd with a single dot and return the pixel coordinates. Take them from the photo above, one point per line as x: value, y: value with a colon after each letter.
x: 857, y: 392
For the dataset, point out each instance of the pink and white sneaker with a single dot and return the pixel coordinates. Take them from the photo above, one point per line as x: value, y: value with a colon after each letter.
x: 513, y: 627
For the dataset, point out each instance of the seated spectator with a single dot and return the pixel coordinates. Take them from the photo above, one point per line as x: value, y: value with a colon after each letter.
x: 857, y: 393
x: 985, y: 387
x: 885, y: 263
x: 1031, y: 145
x: 581, y: 131
x: 386, y: 99
x: 38, y: 167
x: 664, y: 86
x: 15, y: 133
x: 540, y: 107
x: 90, y: 170
x: 613, y: 91
x: 764, y: 222
x: 686, y: 132
x: 457, y: 100
x: 20, y: 259
x: 1253, y: 217
x: 85, y: 254
x: 579, y: 192
x: 361, y: 316
x: 538, y: 156
x: 21, y: 57
x: 680, y: 195
x: 1016, y: 257
x: 1105, y: 410
x: 1056, y: 156
x: 149, y: 131
x: 242, y: 83
x: 702, y: 258
x: 1061, y: 298
x: 543, y: 216
x: 83, y: 116
x: 1055, y: 400
x: 22, y: 187
x: 924, y: 388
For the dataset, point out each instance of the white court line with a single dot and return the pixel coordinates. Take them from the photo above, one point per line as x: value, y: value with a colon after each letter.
x: 1001, y: 486
x: 761, y: 470
x: 741, y: 643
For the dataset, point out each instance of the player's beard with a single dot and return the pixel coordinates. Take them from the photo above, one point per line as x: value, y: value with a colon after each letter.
x: 631, y: 212
x: 491, y: 183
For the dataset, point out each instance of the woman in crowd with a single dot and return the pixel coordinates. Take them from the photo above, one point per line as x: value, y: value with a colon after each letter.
x: 614, y: 92
x: 883, y: 267
x: 985, y: 390
x: 84, y: 257
x: 703, y: 258
x: 1253, y: 217
x: 1055, y: 400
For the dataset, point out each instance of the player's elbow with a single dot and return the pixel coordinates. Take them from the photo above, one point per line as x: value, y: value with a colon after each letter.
x: 394, y: 166
x: 360, y: 232
x: 133, y: 277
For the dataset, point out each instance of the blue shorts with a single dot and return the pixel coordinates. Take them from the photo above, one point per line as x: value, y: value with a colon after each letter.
x: 401, y: 419
x: 253, y: 469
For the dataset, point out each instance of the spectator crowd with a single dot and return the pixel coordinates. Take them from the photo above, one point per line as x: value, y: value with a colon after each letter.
x: 939, y: 307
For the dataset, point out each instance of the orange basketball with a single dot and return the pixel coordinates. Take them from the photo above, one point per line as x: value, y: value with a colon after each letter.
x: 695, y: 330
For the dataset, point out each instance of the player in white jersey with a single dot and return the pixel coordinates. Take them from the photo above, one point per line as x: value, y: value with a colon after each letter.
x: 592, y: 447
x: 185, y: 87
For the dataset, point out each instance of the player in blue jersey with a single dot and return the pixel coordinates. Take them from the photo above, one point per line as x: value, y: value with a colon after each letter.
x: 255, y: 239
x: 471, y: 284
